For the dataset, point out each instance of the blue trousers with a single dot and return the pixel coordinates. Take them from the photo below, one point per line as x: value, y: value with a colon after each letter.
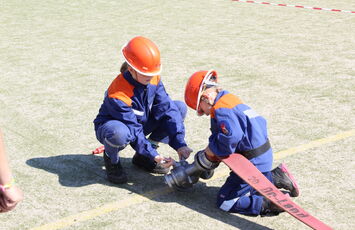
x: 237, y: 196
x: 115, y: 135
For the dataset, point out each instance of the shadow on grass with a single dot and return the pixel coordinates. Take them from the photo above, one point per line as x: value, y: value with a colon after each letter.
x: 77, y: 170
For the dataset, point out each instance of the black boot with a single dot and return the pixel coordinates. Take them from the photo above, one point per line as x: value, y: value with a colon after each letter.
x: 270, y: 209
x: 115, y: 173
x: 147, y: 164
x: 283, y: 179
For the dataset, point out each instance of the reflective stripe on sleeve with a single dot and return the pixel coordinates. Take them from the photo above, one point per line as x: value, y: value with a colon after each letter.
x: 250, y: 113
x: 137, y: 112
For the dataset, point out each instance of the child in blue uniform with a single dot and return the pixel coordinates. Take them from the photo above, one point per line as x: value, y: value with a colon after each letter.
x: 236, y: 128
x: 136, y: 105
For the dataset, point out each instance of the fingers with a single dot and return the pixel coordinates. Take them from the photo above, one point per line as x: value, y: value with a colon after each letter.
x: 6, y: 205
x: 10, y: 197
x: 167, y: 162
x: 2, y: 203
x: 184, y: 152
x: 10, y: 205
x: 183, y: 157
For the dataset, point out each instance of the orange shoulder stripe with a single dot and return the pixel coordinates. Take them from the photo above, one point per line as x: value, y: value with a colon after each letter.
x: 227, y: 101
x: 121, y: 89
x: 155, y: 80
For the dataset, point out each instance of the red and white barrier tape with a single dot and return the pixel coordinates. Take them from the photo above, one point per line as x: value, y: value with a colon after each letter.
x: 297, y: 6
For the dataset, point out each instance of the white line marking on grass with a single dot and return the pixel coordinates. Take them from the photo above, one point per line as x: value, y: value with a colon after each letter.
x: 137, y: 198
x: 110, y: 207
x: 313, y: 144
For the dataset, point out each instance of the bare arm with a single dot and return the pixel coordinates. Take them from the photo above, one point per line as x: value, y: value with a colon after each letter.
x: 10, y: 194
x: 5, y: 172
x: 211, y: 155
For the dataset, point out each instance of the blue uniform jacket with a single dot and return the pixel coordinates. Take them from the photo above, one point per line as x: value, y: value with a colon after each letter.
x: 236, y: 127
x: 132, y: 103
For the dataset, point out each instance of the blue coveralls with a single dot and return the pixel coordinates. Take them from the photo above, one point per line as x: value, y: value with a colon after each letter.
x: 235, y: 128
x: 130, y: 111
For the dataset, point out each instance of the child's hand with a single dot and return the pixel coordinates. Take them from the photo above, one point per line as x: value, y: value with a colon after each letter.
x: 9, y: 198
x: 184, y: 152
x: 165, y: 162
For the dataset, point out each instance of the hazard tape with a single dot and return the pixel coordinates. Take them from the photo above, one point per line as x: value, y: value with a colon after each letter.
x: 297, y: 6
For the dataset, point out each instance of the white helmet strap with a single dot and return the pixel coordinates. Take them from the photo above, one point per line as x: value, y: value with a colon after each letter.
x: 205, y: 83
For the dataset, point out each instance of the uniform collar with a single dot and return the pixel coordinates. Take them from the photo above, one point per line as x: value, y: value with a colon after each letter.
x: 219, y: 95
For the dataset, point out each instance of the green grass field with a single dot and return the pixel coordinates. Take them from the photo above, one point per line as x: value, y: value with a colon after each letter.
x: 296, y: 67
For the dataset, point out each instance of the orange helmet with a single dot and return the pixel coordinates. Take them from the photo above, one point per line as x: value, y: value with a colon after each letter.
x: 143, y: 56
x: 195, y: 86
